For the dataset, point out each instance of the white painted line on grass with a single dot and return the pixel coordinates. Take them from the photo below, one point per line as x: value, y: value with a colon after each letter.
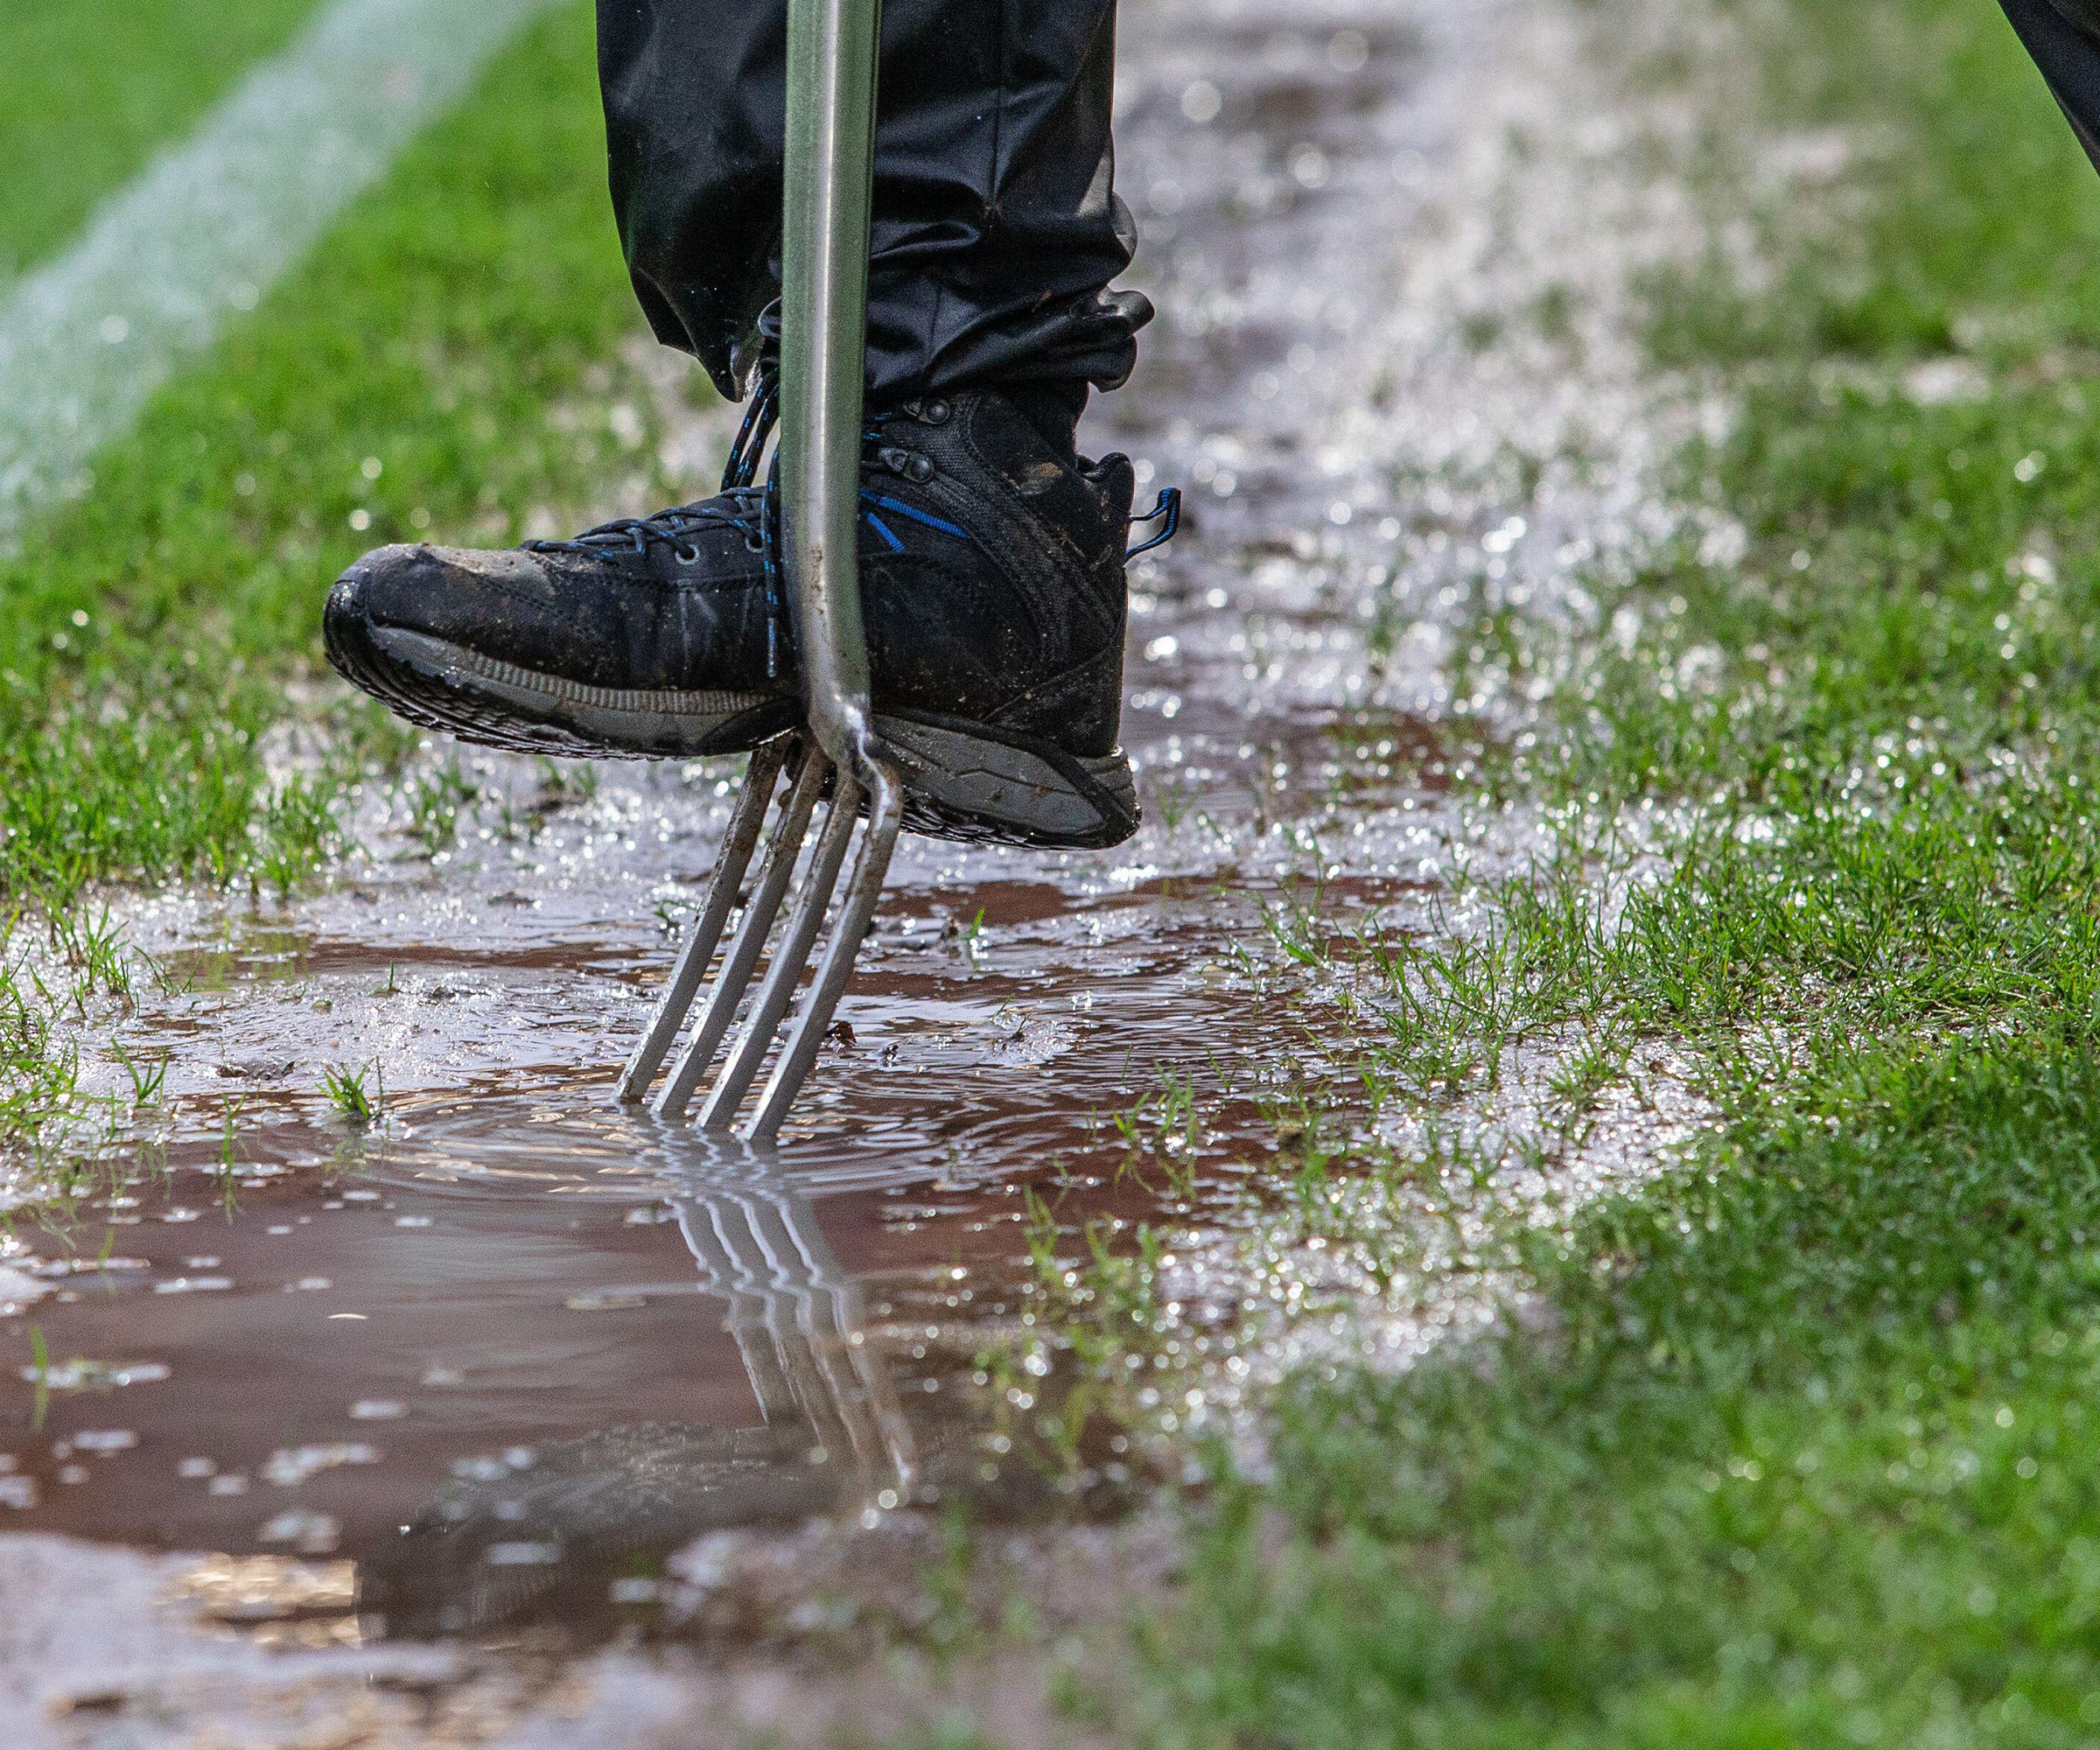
x: 204, y: 231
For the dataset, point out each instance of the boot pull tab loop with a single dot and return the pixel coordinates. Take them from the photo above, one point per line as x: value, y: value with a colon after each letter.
x: 1168, y: 512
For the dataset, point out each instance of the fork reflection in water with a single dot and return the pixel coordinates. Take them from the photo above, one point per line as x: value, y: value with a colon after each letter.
x: 517, y: 1533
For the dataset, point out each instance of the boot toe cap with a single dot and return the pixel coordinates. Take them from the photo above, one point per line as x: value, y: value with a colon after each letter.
x: 384, y: 588
x: 453, y: 594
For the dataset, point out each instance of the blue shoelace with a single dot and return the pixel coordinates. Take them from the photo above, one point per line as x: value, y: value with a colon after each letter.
x: 753, y: 509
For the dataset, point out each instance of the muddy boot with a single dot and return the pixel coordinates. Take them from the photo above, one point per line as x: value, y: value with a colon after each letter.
x: 992, y: 586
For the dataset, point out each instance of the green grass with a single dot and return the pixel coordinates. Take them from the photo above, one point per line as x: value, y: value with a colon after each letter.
x: 1808, y: 1461
x: 88, y: 91
x: 447, y: 363
x: 354, y: 1102
x: 410, y: 378
x: 1804, y: 1453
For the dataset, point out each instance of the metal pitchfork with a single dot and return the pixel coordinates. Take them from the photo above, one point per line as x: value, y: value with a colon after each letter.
x: 830, y: 151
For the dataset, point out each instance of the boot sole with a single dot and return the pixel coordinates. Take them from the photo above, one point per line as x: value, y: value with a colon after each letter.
x: 970, y: 782
x: 984, y: 785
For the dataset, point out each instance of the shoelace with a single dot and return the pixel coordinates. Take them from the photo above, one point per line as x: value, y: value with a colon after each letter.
x: 668, y: 528
x: 745, y: 511
x: 741, y: 504
x: 753, y: 510
x: 1168, y: 513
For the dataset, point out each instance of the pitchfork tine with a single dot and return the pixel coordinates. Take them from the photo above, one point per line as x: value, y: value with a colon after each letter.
x: 789, y: 828
x: 790, y: 960
x: 856, y: 912
x: 760, y: 777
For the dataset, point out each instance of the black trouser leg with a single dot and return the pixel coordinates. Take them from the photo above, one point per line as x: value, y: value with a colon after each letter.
x: 997, y: 232
x: 2063, y: 36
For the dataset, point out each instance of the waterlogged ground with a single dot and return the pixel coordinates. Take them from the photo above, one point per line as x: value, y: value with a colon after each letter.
x: 493, y: 1359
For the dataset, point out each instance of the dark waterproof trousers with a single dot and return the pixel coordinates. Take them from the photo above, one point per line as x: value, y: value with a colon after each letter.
x: 2063, y: 36
x: 998, y: 232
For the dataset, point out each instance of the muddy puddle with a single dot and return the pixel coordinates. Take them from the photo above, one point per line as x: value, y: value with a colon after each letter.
x: 507, y: 1346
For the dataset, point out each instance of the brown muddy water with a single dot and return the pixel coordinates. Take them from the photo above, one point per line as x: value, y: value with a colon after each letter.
x: 509, y: 1346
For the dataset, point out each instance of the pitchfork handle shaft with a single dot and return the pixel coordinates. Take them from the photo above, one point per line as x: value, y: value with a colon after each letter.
x: 832, y: 51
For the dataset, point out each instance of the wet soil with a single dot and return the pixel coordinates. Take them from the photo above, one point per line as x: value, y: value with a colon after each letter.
x: 509, y: 1348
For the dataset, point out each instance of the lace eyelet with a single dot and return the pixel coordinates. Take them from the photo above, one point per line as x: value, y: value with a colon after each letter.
x: 936, y: 413
x: 686, y: 553
x: 919, y: 470
x: 753, y: 544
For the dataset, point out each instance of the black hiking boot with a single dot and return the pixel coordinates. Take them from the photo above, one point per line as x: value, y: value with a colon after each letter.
x: 992, y: 589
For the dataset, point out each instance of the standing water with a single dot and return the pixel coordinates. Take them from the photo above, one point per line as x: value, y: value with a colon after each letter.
x: 506, y: 1346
